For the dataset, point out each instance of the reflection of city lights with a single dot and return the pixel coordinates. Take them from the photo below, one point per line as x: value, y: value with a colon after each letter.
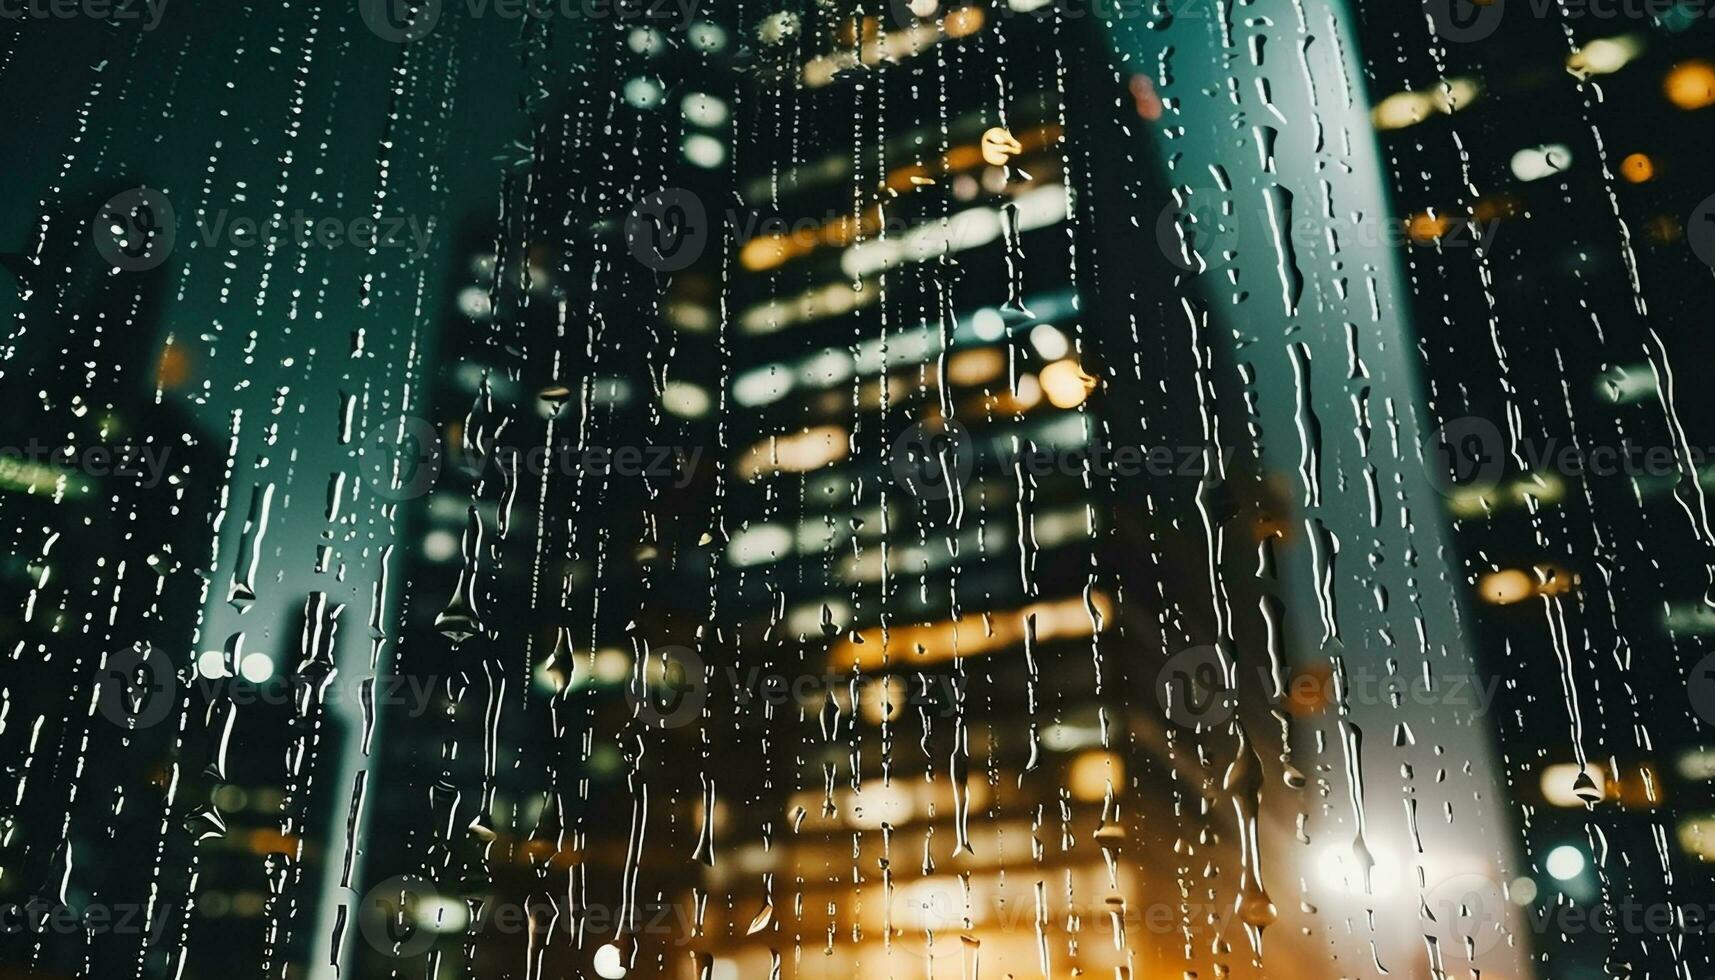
x: 173, y: 370
x: 891, y: 45
x: 759, y: 544
x: 1064, y: 384
x: 607, y: 963
x: 880, y: 803
x: 1558, y: 781
x: 473, y: 302
x: 762, y: 385
x: 962, y: 231
x: 1697, y: 836
x: 1537, y: 162
x: 798, y: 452
x: 704, y: 109
x: 257, y: 667
x: 973, y: 367
x: 1149, y: 104
x: 1697, y: 765
x: 1690, y: 85
x: 1564, y: 863
x: 1404, y: 109
x: 643, y: 93
x: 1425, y: 227
x: 1049, y: 341
x: 1091, y: 774
x: 684, y: 399
x: 1506, y: 587
x: 886, y: 701
x: 1605, y: 55
x: 999, y: 146
x: 612, y: 665
x: 1028, y: 394
x: 987, y: 324
x: 645, y: 41
x: 211, y: 664
x: 1544, y: 488
x: 920, y: 645
x: 704, y: 150
x: 440, y: 545
x: 439, y: 913
x: 1065, y: 737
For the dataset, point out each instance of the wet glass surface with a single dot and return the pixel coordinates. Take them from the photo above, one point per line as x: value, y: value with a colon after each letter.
x: 718, y: 491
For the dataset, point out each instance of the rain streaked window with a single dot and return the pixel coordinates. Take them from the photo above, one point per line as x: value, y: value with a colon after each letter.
x: 717, y: 491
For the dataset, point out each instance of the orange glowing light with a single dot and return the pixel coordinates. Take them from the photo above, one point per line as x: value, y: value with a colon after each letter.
x: 1690, y: 85
x: 1149, y: 104
x: 1065, y: 384
x: 1637, y: 168
x: 1424, y: 227
x: 174, y: 368
x: 798, y: 452
x: 909, y: 647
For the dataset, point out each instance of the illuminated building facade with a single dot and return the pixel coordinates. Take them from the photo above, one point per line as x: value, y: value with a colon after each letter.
x: 948, y: 531
x: 1548, y: 172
